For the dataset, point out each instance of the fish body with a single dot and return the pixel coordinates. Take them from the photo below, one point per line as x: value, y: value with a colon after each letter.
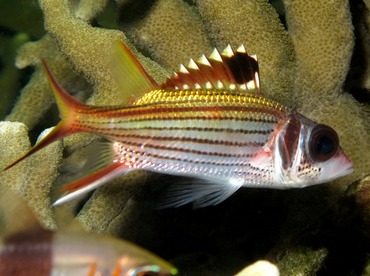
x: 191, y: 135
x: 208, y: 121
x: 32, y: 250
x: 42, y: 252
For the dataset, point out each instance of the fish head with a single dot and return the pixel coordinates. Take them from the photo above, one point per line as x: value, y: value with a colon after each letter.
x: 307, y: 153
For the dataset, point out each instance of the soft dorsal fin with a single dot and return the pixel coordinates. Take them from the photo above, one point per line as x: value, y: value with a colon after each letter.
x: 129, y: 74
x: 231, y: 70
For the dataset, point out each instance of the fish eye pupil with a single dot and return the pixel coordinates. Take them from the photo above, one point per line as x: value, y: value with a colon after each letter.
x: 323, y: 143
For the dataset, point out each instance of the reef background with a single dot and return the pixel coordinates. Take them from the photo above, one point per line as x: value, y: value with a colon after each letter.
x: 313, y: 56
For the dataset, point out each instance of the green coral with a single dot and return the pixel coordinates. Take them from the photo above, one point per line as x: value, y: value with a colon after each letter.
x: 304, y: 63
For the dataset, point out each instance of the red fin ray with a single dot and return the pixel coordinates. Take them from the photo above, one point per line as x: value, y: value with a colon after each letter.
x: 61, y: 130
x: 68, y: 108
x: 234, y: 70
x: 65, y: 102
x: 91, y: 182
x: 82, y: 182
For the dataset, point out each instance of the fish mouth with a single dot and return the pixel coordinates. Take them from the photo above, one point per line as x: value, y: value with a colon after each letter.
x: 347, y: 163
x: 344, y: 164
x: 346, y: 171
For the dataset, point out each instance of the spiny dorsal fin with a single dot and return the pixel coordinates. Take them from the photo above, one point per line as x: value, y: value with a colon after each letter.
x: 231, y: 70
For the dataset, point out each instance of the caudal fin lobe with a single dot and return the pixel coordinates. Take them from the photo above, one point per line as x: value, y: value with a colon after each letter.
x: 68, y: 108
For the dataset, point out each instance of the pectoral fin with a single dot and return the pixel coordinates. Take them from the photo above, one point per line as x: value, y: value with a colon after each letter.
x: 100, y: 168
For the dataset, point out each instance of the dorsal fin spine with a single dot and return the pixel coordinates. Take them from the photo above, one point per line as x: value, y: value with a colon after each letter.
x: 192, y: 65
x: 204, y: 61
x: 183, y: 69
x: 241, y: 49
x: 233, y: 70
x: 227, y: 52
x: 215, y: 55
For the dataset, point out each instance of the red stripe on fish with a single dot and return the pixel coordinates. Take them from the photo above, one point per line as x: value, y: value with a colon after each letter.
x: 27, y: 253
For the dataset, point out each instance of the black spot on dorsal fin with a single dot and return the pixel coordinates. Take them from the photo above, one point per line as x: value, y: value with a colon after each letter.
x: 227, y: 70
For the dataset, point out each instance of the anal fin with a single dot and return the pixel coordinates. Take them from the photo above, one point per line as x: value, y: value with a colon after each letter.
x: 202, y: 192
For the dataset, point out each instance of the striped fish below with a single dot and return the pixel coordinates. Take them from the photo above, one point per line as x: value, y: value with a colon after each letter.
x: 28, y: 249
x: 209, y: 121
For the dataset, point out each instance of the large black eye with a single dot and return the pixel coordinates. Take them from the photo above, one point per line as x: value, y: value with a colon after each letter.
x: 323, y: 143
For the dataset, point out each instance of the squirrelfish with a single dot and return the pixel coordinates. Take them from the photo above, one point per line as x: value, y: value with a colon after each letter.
x: 28, y: 249
x: 208, y: 121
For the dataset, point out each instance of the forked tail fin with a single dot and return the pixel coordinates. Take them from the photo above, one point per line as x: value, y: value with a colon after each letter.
x: 68, y: 108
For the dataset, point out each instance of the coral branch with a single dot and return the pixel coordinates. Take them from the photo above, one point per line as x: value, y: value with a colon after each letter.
x: 256, y: 25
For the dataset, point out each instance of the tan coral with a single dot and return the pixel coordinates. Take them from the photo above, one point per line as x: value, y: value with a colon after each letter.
x: 13, y: 143
x: 171, y: 32
x: 43, y: 171
x: 89, y: 50
x: 256, y: 25
x: 36, y: 97
x: 321, y: 45
x: 88, y: 9
x: 34, y: 176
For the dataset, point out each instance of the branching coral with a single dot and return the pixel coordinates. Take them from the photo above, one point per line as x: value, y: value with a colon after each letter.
x: 303, y: 65
x: 256, y: 25
x: 171, y: 32
x: 36, y: 96
x: 88, y: 49
x: 35, y: 176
